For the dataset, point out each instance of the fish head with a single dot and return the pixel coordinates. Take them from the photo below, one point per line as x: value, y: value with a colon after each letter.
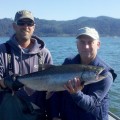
x: 92, y: 75
x: 94, y: 79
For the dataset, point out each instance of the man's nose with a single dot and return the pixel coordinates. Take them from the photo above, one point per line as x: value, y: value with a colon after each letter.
x: 87, y: 46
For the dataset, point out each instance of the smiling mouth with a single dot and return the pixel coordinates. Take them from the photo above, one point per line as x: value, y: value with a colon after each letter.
x: 25, y: 32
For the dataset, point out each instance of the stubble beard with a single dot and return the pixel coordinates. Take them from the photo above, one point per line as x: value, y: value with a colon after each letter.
x: 25, y: 36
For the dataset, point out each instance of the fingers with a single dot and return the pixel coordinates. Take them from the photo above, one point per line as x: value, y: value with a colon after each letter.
x: 77, y: 83
x: 73, y: 86
x: 68, y: 86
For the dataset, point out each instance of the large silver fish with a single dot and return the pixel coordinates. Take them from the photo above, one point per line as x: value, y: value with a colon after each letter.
x: 53, y: 77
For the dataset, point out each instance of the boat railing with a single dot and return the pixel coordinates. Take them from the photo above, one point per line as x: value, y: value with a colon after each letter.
x: 113, y: 116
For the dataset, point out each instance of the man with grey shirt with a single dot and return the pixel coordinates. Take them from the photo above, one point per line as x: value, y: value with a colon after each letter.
x: 27, y: 52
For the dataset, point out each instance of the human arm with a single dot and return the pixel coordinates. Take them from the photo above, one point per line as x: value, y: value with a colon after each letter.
x: 91, y: 100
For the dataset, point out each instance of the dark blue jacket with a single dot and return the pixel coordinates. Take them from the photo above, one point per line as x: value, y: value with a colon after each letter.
x: 92, y: 103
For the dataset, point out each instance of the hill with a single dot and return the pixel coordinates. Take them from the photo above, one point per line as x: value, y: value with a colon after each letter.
x: 106, y: 26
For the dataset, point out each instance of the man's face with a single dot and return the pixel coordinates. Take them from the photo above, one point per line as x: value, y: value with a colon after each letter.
x: 24, y: 29
x: 87, y: 47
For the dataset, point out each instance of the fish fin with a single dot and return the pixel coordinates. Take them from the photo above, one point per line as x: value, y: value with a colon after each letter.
x: 28, y: 90
x: 49, y: 94
x: 45, y: 66
x: 35, y: 106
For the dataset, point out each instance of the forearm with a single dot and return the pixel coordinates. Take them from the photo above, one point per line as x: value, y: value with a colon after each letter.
x: 96, y: 93
x: 84, y: 101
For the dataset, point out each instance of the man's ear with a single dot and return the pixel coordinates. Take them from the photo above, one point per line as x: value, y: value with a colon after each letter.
x: 34, y: 26
x: 98, y: 44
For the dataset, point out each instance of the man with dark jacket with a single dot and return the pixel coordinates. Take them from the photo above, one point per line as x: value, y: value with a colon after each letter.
x: 79, y: 102
x: 27, y: 53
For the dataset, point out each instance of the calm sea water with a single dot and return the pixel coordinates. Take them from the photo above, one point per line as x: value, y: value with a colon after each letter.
x: 62, y: 47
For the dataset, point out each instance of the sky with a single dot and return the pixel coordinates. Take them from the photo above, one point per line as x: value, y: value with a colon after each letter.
x: 61, y: 9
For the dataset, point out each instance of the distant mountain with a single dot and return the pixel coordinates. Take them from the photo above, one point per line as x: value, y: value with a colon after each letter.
x: 106, y: 26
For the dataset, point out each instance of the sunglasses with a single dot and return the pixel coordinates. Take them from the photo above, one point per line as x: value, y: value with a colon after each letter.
x: 28, y: 23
